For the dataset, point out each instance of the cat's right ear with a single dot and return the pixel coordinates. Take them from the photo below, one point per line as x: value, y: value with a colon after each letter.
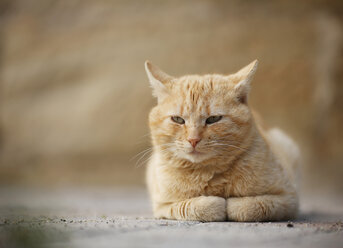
x: 158, y: 80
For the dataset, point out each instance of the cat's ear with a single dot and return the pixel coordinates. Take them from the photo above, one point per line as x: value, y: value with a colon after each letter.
x: 243, y: 79
x: 158, y: 80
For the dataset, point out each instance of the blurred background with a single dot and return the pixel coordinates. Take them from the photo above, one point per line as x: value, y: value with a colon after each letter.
x: 74, y: 97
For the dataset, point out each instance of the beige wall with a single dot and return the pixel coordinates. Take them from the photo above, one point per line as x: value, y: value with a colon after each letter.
x: 75, y: 98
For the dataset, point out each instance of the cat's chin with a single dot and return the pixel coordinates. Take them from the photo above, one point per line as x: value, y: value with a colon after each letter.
x: 196, y: 157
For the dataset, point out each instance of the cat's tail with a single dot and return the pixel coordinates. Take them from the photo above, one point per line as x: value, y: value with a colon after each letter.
x: 288, y: 151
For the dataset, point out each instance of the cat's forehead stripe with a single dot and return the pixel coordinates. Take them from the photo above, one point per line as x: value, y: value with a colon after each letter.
x: 201, y: 95
x: 194, y: 95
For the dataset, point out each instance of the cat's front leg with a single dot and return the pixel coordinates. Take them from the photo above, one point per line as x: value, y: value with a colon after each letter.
x: 262, y: 208
x: 202, y: 208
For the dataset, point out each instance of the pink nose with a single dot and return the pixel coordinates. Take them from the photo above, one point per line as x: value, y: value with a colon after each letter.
x: 194, y: 142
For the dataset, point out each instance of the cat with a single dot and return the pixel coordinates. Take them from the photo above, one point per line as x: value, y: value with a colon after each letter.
x: 213, y: 158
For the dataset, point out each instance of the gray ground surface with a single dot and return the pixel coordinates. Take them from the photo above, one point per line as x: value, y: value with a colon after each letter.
x: 122, y: 218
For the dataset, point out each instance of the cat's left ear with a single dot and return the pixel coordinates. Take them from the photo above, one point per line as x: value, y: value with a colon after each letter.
x: 243, y: 79
x: 158, y: 80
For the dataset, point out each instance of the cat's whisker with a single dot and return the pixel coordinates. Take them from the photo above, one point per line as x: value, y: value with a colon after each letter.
x: 229, y: 145
x: 227, y: 142
x: 142, y: 157
x: 223, y: 142
x: 138, y: 165
x: 141, y: 160
x: 223, y: 152
x: 148, y: 149
x: 162, y: 151
x: 220, y: 146
x: 145, y: 135
x: 143, y: 138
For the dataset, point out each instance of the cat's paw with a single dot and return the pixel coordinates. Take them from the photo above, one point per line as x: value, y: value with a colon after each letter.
x: 210, y: 208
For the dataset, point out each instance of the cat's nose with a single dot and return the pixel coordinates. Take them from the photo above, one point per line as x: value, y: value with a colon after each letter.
x: 194, y: 142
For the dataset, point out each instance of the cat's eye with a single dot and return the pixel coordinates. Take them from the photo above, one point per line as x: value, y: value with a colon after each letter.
x: 178, y: 120
x: 213, y: 119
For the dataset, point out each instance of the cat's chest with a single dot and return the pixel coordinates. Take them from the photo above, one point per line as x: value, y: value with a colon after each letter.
x: 226, y: 184
x: 195, y: 183
x: 218, y: 185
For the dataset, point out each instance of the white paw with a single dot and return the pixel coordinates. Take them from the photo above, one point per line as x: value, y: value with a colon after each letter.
x: 210, y: 208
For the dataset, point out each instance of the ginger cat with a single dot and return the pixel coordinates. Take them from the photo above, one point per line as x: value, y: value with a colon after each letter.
x: 212, y: 159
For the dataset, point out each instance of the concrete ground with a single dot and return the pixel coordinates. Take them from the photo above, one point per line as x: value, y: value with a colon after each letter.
x: 122, y: 218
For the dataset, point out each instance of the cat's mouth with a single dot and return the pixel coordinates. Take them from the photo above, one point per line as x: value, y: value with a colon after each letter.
x: 195, y: 152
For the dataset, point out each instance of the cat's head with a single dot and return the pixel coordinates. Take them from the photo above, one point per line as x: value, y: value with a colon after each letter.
x: 198, y: 118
